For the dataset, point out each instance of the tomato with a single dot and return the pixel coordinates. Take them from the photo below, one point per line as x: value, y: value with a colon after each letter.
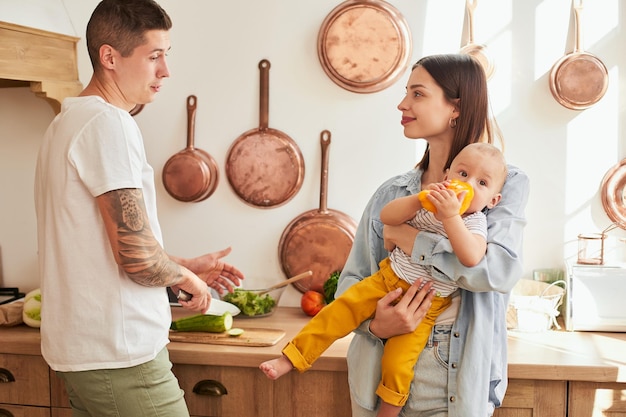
x: 312, y: 302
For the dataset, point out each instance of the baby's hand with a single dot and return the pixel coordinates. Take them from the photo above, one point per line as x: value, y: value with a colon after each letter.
x: 462, y: 190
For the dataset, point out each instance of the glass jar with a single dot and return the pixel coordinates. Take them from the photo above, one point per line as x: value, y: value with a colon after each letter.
x: 591, y: 248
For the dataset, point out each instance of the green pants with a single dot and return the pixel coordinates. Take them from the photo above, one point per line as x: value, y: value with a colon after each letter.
x: 347, y: 312
x: 146, y: 390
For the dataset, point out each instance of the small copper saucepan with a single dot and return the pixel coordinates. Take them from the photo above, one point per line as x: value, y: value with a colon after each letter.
x: 478, y: 51
x: 579, y: 79
x: 192, y: 174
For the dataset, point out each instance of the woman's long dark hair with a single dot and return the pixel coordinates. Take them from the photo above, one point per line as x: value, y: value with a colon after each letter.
x: 464, y: 83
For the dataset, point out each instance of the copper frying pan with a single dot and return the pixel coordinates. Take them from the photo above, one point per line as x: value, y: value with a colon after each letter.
x: 579, y: 79
x: 613, y: 194
x: 191, y: 175
x: 479, y: 52
x: 264, y: 166
x: 364, y: 46
x: 317, y: 240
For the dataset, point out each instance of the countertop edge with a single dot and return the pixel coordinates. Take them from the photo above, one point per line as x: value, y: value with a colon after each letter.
x: 551, y: 355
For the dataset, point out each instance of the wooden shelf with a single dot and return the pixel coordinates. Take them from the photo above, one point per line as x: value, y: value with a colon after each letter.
x: 45, y: 61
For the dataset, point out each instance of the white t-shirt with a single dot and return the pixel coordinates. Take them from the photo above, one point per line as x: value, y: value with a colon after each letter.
x: 93, y: 315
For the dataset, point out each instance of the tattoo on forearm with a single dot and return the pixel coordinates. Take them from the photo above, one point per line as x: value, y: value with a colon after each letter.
x: 140, y: 254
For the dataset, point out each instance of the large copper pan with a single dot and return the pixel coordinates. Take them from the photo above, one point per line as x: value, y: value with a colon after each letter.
x: 319, y: 240
x: 613, y: 194
x: 364, y: 46
x: 264, y: 166
x: 478, y: 51
x: 579, y: 79
x: 192, y: 174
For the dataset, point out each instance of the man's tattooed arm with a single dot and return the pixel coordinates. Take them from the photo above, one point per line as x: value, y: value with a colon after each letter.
x: 134, y: 246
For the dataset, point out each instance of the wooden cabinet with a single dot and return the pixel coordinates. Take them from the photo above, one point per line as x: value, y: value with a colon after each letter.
x: 229, y: 391
x: 552, y: 374
x: 44, y: 60
x: 534, y: 398
x: 313, y: 393
x: 597, y: 399
x: 225, y: 391
x: 23, y: 411
x: 59, y: 400
x: 24, y: 386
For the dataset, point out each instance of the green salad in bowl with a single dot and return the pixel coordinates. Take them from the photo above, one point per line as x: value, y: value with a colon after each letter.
x: 255, y: 303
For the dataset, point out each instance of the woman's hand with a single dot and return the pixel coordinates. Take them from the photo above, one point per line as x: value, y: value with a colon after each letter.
x: 217, y: 274
x: 393, y: 320
x: 401, y: 236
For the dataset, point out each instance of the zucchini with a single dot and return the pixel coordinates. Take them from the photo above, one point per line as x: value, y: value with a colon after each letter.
x: 204, y: 323
x: 235, y: 332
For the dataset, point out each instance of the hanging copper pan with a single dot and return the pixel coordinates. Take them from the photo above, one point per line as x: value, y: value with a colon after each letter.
x: 191, y: 175
x: 579, y: 79
x: 364, y: 46
x: 317, y: 240
x: 479, y: 52
x: 613, y: 194
x: 264, y: 166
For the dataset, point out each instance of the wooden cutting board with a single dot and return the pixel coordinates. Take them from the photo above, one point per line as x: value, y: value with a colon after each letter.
x: 250, y: 337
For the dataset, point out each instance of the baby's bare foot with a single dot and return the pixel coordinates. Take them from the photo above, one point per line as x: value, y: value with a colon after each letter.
x: 276, y: 368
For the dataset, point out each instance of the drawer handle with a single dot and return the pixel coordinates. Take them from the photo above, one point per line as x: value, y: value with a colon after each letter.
x: 5, y: 413
x: 6, y: 376
x: 210, y: 387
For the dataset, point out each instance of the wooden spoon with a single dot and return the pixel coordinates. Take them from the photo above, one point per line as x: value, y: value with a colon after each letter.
x: 287, y: 282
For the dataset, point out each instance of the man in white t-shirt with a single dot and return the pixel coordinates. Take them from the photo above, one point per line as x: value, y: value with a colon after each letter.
x: 103, y: 269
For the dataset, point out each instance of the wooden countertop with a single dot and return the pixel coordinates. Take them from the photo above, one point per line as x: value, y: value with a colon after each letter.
x: 289, y: 319
x: 551, y: 355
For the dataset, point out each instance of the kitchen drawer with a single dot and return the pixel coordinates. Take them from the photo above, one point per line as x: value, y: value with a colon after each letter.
x: 58, y: 395
x: 313, y: 393
x: 23, y: 411
x: 534, y: 398
x: 61, y: 412
x: 248, y: 392
x: 596, y: 399
x: 27, y: 381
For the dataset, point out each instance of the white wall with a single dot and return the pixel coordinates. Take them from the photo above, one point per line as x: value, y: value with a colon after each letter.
x: 216, y: 49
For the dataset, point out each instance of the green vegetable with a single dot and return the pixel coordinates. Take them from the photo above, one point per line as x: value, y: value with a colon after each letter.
x: 204, y: 323
x: 330, y: 286
x: 249, y: 303
x: 235, y: 332
x: 31, y: 313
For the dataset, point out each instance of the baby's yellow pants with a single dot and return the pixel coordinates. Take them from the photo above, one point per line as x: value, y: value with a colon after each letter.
x: 347, y: 312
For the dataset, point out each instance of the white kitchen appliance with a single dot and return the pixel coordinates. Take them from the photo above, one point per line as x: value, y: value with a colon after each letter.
x: 596, y: 298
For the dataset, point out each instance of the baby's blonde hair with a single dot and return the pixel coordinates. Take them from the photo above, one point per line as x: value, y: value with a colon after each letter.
x: 492, y: 151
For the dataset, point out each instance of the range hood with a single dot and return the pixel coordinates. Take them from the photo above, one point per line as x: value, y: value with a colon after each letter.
x: 44, y: 61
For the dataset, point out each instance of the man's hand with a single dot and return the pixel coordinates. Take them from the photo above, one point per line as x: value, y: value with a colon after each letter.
x: 199, y: 296
x: 216, y: 273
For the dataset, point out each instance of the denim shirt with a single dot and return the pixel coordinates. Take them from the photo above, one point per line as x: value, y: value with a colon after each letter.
x: 477, y: 372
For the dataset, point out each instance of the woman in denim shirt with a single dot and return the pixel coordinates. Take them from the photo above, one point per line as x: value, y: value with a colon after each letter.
x: 463, y: 370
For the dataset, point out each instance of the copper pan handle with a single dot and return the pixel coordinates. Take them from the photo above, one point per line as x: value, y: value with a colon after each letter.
x: 264, y: 101
x: 470, y: 7
x: 191, y: 120
x: 578, y: 45
x: 325, y: 143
